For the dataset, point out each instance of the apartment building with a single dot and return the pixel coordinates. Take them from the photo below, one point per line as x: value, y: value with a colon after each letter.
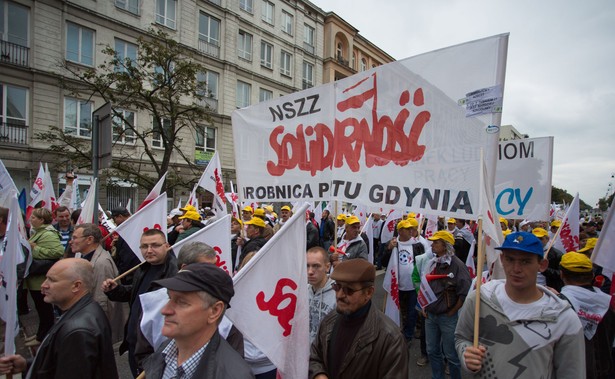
x: 253, y: 50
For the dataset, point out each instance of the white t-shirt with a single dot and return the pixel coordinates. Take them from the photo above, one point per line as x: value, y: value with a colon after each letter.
x: 516, y: 311
x: 406, y: 265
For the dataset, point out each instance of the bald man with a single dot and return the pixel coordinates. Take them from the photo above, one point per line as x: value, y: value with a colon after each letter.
x: 79, y: 344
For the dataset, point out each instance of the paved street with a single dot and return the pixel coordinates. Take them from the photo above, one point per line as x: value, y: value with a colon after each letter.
x: 29, y: 324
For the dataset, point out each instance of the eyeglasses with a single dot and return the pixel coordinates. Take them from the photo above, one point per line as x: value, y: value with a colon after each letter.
x: 77, y: 237
x: 347, y: 290
x: 154, y: 246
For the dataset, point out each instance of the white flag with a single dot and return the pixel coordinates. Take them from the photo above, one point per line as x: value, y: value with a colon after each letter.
x: 470, y: 261
x: 36, y: 193
x: 218, y: 236
x: 11, y: 255
x: 568, y: 237
x: 49, y: 196
x: 361, y: 212
x: 368, y: 229
x: 89, y: 205
x: 432, y: 226
x: 154, y: 193
x: 211, y: 181
x: 391, y: 285
x: 604, y: 252
x: 389, y: 225
x: 152, y: 216
x: 7, y: 186
x: 492, y: 230
x: 270, y: 306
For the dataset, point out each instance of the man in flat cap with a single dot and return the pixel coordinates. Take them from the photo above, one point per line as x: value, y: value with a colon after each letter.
x: 592, y: 308
x: 358, y: 340
x: 525, y: 331
x: 198, y: 297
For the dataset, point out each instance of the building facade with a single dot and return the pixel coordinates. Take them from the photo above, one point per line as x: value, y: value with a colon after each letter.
x: 253, y: 50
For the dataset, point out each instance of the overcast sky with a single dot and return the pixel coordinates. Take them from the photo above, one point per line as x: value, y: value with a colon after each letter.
x: 560, y: 76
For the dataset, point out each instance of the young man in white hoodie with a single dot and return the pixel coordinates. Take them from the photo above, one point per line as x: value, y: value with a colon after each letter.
x: 525, y: 331
x: 322, y: 295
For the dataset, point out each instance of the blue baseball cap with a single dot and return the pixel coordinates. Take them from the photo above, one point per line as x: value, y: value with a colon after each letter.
x: 522, y: 241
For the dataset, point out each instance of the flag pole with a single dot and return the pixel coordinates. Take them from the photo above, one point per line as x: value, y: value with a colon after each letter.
x: 128, y: 272
x: 479, y: 279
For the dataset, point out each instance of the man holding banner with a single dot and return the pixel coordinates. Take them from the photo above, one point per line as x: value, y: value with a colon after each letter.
x: 525, y: 331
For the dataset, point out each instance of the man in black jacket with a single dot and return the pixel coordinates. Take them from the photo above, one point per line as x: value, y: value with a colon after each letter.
x: 198, y: 297
x: 79, y: 344
x: 159, y: 263
x: 327, y: 230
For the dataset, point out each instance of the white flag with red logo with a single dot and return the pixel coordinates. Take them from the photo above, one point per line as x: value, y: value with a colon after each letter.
x: 211, y: 180
x: 389, y: 225
x: 89, y: 205
x: 152, y: 216
x: 218, y: 236
x: 36, y: 193
x: 192, y: 200
x: 7, y: 186
x: 270, y: 306
x: 568, y: 236
x: 432, y: 226
x: 391, y: 285
x: 49, y: 196
x: 361, y: 212
x: 154, y: 193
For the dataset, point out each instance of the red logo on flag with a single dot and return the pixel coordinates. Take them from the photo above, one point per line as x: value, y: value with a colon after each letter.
x: 39, y: 183
x: 285, y: 314
x: 219, y: 262
x: 219, y: 185
x: 156, y: 226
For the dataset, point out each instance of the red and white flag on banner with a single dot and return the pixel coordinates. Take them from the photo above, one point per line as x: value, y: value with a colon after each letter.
x: 36, y: 193
x: 568, y: 236
x: 155, y: 192
x: 391, y: 285
x: 604, y: 252
x: 218, y: 236
x: 152, y: 216
x: 11, y: 254
x: 389, y: 225
x: 49, y: 196
x: 368, y: 229
x: 270, y: 306
x: 211, y: 181
x: 89, y: 205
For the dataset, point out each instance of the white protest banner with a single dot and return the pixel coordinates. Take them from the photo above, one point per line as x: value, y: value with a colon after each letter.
x: 411, y: 121
x: 218, y: 236
x: 270, y: 307
x: 523, y: 178
x: 152, y: 216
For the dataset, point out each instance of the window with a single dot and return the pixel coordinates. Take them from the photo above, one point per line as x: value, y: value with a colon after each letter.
x: 14, y: 107
x: 77, y: 117
x: 165, y: 12
x: 266, y: 54
x: 123, y: 127
x: 353, y: 63
x: 205, y: 138
x: 308, y: 38
x: 208, y: 81
x: 209, y: 35
x: 124, y: 50
x: 265, y: 94
x: 243, y: 94
x: 363, y: 64
x: 308, y: 75
x: 131, y: 6
x: 79, y: 44
x: 244, y: 45
x: 267, y: 12
x: 14, y: 23
x: 285, y: 68
x: 160, y: 127
x: 246, y: 5
x: 340, y: 51
x: 287, y: 23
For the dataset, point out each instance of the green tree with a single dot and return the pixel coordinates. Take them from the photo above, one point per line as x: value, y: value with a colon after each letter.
x: 163, y: 82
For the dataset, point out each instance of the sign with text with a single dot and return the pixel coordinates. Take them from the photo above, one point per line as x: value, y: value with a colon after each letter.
x: 523, y: 178
x: 395, y: 136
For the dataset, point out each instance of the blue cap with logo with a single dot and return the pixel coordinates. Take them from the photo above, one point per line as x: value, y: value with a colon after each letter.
x: 522, y: 241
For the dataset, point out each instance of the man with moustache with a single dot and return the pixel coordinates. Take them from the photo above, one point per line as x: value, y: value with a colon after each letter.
x: 159, y: 263
x: 358, y: 340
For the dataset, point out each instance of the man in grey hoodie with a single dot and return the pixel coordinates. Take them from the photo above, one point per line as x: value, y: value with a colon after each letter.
x: 525, y: 331
x: 322, y: 295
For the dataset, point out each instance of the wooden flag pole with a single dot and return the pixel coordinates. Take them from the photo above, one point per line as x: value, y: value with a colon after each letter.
x: 479, y: 279
x: 128, y: 272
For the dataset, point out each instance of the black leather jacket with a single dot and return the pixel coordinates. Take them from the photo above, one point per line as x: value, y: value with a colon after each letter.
x: 79, y: 345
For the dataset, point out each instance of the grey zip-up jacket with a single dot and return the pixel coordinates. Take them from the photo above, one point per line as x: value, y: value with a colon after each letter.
x: 321, y: 303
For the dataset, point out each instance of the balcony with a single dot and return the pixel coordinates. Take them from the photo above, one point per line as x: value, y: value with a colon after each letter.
x: 14, y: 54
x: 340, y: 59
x: 13, y: 133
x: 209, y: 48
x: 209, y: 103
x: 308, y: 48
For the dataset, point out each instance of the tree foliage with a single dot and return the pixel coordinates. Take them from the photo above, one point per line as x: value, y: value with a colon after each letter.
x: 559, y: 196
x: 162, y: 82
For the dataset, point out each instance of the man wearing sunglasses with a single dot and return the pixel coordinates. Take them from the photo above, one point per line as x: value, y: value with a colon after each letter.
x: 358, y: 340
